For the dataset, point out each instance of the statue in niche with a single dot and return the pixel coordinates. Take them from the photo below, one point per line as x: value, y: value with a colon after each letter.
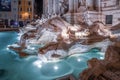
x: 82, y: 5
x: 63, y: 7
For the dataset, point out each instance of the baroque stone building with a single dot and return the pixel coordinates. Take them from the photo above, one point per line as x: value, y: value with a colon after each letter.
x: 75, y: 11
x: 26, y: 10
x: 16, y: 12
x: 54, y: 6
x: 9, y: 11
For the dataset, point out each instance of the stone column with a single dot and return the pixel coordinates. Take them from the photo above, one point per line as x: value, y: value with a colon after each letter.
x: 45, y: 7
x: 50, y: 7
x: 75, y: 5
x: 71, y: 6
x: 56, y: 6
x: 100, y: 6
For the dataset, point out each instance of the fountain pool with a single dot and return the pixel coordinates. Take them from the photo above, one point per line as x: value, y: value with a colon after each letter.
x: 12, y: 67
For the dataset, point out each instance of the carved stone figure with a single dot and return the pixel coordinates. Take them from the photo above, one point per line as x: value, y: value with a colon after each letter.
x: 63, y: 7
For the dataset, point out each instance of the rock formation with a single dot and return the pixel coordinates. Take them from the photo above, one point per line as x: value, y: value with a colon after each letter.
x: 56, y: 33
x: 107, y: 69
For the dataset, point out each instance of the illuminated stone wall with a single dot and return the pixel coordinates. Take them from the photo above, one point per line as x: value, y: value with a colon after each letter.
x: 13, y: 13
x: 98, y: 9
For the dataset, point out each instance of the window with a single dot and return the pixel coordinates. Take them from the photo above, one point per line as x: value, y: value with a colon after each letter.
x: 109, y: 19
x: 14, y: 1
x: 20, y: 9
x: 15, y: 16
x: 14, y: 9
x: 118, y: 19
x: 0, y: 15
x: 118, y: 2
x: 5, y: 15
x: 29, y: 9
x: 20, y: 16
x: 105, y: 4
x: 19, y: 2
x: 29, y: 2
x: 29, y: 16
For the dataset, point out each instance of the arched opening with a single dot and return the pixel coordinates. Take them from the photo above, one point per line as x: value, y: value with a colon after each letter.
x: 39, y: 7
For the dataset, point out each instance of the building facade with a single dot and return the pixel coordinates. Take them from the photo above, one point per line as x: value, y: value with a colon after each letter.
x: 51, y: 7
x: 111, y: 11
x: 15, y: 11
x: 9, y: 10
x: 25, y: 10
x: 106, y: 11
x: 74, y: 11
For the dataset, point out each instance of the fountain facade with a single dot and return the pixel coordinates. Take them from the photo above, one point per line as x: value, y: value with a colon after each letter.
x: 55, y: 44
x: 59, y: 47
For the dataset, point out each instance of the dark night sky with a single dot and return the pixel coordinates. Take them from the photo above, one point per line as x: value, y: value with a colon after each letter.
x: 39, y: 5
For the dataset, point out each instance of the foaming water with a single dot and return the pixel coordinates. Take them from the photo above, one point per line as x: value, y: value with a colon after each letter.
x: 12, y: 67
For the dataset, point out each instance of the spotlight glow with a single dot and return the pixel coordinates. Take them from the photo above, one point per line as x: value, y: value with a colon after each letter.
x: 56, y: 67
x: 38, y: 63
x: 78, y: 59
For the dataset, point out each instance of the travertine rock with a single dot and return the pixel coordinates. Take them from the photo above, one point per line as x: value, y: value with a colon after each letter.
x: 95, y: 68
x: 112, y: 54
x: 107, y: 69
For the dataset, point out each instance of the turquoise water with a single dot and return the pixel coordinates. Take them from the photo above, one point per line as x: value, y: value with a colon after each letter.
x: 12, y: 67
